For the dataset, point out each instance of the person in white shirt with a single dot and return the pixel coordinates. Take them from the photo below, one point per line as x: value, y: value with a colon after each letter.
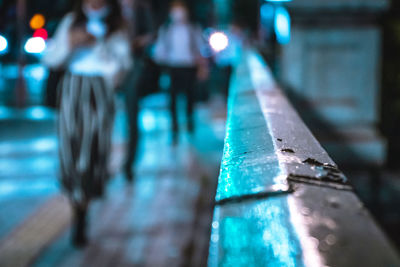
x: 178, y: 47
x: 91, y: 44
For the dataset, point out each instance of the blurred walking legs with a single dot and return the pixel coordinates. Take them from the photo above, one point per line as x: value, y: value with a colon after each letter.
x: 183, y: 79
x: 84, y: 127
x: 79, y: 236
x: 132, y: 98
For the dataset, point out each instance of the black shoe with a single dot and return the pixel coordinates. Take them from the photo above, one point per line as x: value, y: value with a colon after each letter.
x: 79, y: 237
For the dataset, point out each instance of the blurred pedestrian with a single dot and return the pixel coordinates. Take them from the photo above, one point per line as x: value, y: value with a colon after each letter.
x: 228, y: 56
x: 143, y: 77
x: 92, y: 45
x: 178, y: 47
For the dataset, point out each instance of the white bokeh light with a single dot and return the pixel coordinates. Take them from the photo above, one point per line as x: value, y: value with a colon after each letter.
x: 218, y: 41
x: 3, y: 44
x: 35, y: 45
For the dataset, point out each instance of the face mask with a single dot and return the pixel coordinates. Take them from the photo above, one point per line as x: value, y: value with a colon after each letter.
x: 95, y: 24
x: 96, y: 13
x: 178, y: 15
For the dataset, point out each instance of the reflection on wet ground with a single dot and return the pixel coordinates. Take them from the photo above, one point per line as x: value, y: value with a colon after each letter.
x: 162, y: 219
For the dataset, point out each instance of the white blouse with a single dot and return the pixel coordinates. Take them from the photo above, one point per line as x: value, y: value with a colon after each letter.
x: 109, y: 57
x: 178, y: 45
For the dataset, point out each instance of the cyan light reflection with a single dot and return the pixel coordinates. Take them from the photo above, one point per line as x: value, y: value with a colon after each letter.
x: 282, y: 25
x: 7, y: 188
x: 239, y: 174
x: 38, y: 166
x: 27, y: 188
x: 148, y: 121
x: 8, y: 166
x: 36, y: 72
x: 38, y: 113
x: 5, y: 112
x: 22, y: 146
x: 42, y: 164
x: 45, y: 144
x: 260, y: 235
x: 267, y: 12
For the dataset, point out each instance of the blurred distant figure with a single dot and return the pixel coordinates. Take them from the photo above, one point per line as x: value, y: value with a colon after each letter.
x: 178, y: 47
x: 143, y: 76
x: 228, y: 57
x: 92, y: 45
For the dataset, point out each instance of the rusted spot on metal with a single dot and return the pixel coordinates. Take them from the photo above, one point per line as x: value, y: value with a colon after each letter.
x: 287, y: 150
x: 315, y: 162
x: 326, y: 174
x: 312, y: 161
x: 325, y: 177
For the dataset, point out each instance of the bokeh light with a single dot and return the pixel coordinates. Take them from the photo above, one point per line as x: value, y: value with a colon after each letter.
x: 42, y: 33
x: 3, y: 44
x: 37, y: 21
x: 282, y: 25
x: 35, y: 45
x: 218, y: 41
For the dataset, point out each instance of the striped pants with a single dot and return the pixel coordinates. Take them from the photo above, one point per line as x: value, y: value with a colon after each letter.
x: 84, y: 127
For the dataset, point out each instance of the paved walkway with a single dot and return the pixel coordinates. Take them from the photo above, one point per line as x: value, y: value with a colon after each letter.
x: 163, y: 219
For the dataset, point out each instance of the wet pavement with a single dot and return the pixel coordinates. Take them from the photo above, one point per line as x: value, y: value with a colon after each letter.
x: 162, y: 219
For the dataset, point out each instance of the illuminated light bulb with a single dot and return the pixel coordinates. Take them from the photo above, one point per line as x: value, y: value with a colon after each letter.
x: 3, y: 44
x: 37, y: 21
x: 35, y: 45
x: 219, y: 41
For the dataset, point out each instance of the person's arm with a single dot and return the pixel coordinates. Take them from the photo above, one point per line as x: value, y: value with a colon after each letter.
x: 58, y: 50
x: 200, y: 42
x: 65, y: 40
x: 160, y: 47
x: 201, y: 45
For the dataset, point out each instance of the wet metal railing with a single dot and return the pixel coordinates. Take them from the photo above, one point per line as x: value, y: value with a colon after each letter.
x: 281, y: 200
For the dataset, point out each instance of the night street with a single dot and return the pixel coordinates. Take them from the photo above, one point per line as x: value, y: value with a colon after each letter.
x: 199, y: 133
x: 162, y: 219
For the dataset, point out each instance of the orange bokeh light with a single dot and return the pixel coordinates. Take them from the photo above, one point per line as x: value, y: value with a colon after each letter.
x: 37, y: 21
